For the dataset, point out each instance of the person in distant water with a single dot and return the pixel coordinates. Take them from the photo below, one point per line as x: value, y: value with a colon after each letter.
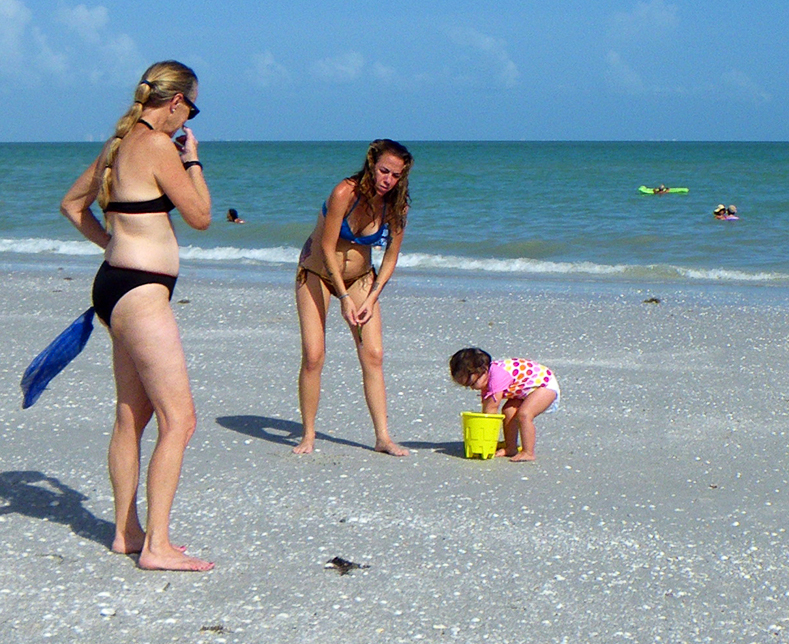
x: 232, y: 217
x: 364, y: 210
x: 660, y: 189
x: 140, y: 175
x: 526, y: 388
x: 724, y: 213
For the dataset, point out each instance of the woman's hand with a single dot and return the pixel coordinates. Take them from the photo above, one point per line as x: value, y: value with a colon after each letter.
x: 365, y: 311
x: 349, y: 312
x: 187, y: 145
x: 77, y: 202
x: 186, y: 188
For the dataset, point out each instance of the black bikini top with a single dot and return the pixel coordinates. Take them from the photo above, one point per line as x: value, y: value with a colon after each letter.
x: 162, y: 203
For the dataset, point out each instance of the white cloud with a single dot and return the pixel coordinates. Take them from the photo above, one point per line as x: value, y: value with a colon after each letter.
x: 14, y: 19
x: 27, y: 52
x: 488, y: 56
x: 646, y: 21
x: 741, y: 86
x: 345, y: 68
x: 88, y: 23
x: 122, y: 59
x: 736, y: 84
x: 384, y: 73
x: 621, y: 76
x: 47, y: 60
x: 114, y: 58
x: 266, y: 71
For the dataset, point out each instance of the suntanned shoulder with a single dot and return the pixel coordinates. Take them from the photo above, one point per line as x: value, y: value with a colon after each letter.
x: 344, y: 190
x: 342, y: 194
x: 159, y: 142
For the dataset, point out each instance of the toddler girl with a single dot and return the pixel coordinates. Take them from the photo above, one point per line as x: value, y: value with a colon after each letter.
x: 528, y: 387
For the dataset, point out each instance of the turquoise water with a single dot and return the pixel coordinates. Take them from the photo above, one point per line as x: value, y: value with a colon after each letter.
x: 562, y: 209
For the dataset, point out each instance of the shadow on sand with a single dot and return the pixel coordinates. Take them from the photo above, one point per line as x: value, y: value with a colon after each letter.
x: 39, y: 496
x: 277, y: 430
x: 288, y: 432
x: 453, y: 448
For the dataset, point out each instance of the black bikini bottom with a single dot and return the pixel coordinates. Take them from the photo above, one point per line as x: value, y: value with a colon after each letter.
x: 112, y: 283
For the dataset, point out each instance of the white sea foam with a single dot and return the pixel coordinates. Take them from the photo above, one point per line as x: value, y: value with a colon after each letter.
x: 277, y: 255
x: 520, y: 266
x: 452, y: 262
x: 729, y: 275
x: 48, y: 246
x: 523, y: 265
x: 59, y: 247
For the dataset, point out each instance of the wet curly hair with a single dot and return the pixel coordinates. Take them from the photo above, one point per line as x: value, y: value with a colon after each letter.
x: 397, y: 199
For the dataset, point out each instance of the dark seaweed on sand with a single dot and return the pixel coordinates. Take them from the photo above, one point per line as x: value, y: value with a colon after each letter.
x: 343, y: 566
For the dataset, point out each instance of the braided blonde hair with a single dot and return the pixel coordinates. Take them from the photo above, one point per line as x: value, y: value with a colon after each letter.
x: 159, y: 83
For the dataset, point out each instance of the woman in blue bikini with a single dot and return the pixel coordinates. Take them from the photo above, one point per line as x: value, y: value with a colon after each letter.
x: 138, y: 178
x: 365, y: 210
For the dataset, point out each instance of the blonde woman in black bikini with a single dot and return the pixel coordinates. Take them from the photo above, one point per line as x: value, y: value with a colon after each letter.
x: 363, y: 211
x: 137, y: 179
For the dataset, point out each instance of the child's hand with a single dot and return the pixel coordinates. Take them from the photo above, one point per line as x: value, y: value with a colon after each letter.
x: 489, y: 405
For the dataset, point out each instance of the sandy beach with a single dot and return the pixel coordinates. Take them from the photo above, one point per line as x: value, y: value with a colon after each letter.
x: 655, y: 511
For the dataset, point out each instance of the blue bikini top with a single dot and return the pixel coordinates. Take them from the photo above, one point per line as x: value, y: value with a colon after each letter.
x: 378, y: 238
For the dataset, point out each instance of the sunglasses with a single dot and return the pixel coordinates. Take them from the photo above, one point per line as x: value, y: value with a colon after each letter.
x: 193, y: 109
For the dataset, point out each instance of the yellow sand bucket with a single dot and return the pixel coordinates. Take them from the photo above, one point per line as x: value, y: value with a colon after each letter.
x: 481, y: 433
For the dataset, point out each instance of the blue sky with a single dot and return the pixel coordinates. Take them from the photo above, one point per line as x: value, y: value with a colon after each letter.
x: 411, y: 70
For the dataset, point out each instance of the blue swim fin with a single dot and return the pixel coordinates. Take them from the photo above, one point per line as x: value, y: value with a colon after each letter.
x: 52, y: 360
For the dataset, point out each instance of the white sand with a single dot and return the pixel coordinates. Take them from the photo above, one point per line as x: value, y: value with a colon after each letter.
x: 654, y: 513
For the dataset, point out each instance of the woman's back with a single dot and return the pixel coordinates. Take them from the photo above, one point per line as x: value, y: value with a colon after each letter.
x: 143, y: 240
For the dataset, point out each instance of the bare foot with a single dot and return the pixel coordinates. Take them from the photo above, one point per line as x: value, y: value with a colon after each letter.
x: 306, y: 446
x: 136, y: 551
x: 128, y: 545
x: 173, y: 559
x: 523, y: 456
x: 390, y: 447
x: 503, y: 452
x: 133, y: 545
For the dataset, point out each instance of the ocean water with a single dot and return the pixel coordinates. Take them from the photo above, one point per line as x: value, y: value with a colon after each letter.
x: 554, y: 210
